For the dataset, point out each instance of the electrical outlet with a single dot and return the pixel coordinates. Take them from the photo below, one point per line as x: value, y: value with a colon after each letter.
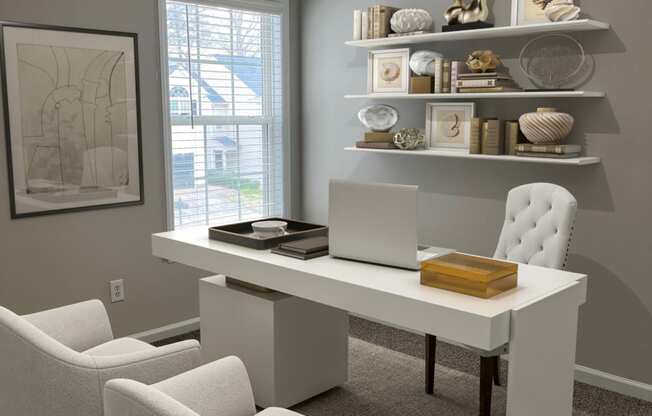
x: 117, y: 290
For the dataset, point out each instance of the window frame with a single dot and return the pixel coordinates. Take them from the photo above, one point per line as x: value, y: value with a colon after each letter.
x: 281, y: 7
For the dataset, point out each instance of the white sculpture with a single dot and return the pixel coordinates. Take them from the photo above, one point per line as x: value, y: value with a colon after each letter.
x: 562, y: 11
x: 411, y: 20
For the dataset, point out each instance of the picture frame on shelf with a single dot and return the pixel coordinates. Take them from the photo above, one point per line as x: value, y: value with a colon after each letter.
x: 388, y: 71
x: 72, y: 118
x: 527, y: 12
x: 448, y: 125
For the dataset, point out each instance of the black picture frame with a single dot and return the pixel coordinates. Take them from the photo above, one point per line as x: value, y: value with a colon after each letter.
x: 7, y: 121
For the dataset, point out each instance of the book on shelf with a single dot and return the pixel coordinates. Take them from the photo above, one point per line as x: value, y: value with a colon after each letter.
x: 376, y: 137
x: 512, y: 136
x: 364, y: 24
x: 492, y: 137
x: 438, y: 81
x: 398, y: 35
x: 549, y: 148
x: 485, y: 83
x: 446, y: 76
x: 548, y: 155
x: 489, y: 89
x: 375, y: 145
x: 476, y: 136
x: 370, y: 28
x: 458, y: 68
x: 357, y: 24
x: 485, y: 75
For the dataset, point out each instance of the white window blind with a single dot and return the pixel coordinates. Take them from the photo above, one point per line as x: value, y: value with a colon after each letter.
x: 225, y: 95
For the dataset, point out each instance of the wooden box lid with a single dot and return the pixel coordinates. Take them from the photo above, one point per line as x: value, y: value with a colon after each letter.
x: 472, y: 268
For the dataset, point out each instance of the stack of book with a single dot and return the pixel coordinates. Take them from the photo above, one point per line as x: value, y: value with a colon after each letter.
x: 377, y: 140
x: 486, y: 82
x: 495, y: 137
x: 373, y: 22
x: 305, y: 249
x: 552, y: 151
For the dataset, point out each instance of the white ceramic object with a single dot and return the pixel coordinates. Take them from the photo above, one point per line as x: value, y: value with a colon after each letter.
x: 546, y: 126
x: 411, y: 20
x: 269, y: 228
x: 422, y: 63
x: 409, y: 139
x: 562, y: 11
x: 380, y: 117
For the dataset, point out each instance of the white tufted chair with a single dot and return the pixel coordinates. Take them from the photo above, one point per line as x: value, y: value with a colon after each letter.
x: 538, y: 227
x: 221, y: 388
x: 55, y: 362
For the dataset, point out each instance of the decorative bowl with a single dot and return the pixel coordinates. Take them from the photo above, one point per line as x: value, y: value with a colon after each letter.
x: 423, y: 62
x: 379, y: 117
x: 546, y: 126
x: 265, y: 229
x: 411, y: 20
x: 409, y: 139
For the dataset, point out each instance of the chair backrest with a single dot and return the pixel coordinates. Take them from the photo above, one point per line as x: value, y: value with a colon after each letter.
x: 41, y: 376
x: 127, y: 397
x: 538, y: 225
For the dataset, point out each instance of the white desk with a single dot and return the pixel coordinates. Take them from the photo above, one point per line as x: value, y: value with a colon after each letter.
x: 538, y: 319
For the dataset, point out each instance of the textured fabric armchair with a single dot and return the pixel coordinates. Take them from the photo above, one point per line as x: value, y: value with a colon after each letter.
x: 221, y: 388
x: 56, y: 362
x: 538, y: 226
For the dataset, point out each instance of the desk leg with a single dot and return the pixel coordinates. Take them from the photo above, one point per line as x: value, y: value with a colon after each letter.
x: 542, y: 355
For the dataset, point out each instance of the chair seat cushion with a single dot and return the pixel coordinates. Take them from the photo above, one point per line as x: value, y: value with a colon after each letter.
x: 277, y: 411
x: 119, y: 346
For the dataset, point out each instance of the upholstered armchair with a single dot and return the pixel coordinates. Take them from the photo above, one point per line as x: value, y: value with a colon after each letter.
x: 221, y: 388
x: 56, y: 362
x: 537, y: 230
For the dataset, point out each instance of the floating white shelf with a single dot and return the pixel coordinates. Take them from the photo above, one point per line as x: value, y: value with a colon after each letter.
x: 463, y: 96
x: 580, y: 161
x: 495, y: 32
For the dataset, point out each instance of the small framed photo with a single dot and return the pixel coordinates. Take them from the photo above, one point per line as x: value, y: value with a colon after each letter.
x: 529, y: 12
x: 448, y: 125
x: 389, y: 71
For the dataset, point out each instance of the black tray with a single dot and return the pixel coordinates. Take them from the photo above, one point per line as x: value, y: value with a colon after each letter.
x: 242, y: 233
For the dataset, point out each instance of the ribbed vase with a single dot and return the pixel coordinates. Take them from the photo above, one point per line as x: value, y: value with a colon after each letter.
x: 546, y: 126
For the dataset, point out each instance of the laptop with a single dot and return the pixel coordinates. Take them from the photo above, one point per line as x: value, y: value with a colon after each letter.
x: 376, y: 223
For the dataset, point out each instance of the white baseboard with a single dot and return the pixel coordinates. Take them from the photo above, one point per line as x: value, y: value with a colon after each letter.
x: 168, y: 331
x: 583, y: 374
x: 613, y: 383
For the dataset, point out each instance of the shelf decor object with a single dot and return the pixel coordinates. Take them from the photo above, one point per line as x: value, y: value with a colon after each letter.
x: 411, y: 20
x: 455, y: 154
x: 483, y: 61
x: 243, y: 233
x: 423, y: 62
x: 484, y: 95
x: 72, y: 119
x: 388, y: 71
x: 552, y: 61
x: 470, y: 275
x: 527, y: 12
x: 546, y: 126
x: 562, y: 11
x: 448, y: 125
x: 409, y: 139
x: 379, y: 117
x: 461, y: 16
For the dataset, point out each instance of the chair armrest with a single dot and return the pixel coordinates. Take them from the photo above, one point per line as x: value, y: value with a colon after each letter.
x: 79, y: 326
x: 221, y: 387
x: 128, y: 397
x: 150, y: 366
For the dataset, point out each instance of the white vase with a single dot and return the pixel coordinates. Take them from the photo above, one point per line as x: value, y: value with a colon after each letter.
x: 411, y: 20
x: 546, y: 126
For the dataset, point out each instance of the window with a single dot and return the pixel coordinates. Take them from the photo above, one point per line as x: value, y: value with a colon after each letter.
x: 226, y: 95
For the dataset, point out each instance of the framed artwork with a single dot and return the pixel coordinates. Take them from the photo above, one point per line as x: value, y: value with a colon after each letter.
x: 448, y: 125
x: 529, y: 12
x: 72, y: 119
x: 389, y: 71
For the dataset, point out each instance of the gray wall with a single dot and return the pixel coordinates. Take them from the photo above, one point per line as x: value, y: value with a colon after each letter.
x: 462, y: 203
x: 61, y: 259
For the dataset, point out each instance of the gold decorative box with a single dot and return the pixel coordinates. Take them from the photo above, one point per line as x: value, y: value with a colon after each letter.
x: 475, y: 276
x: 421, y: 85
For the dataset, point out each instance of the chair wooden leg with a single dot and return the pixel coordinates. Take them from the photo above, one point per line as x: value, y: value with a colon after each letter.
x: 497, y: 371
x: 486, y: 385
x: 431, y: 350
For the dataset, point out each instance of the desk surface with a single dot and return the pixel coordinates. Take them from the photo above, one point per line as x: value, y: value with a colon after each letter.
x: 384, y: 293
